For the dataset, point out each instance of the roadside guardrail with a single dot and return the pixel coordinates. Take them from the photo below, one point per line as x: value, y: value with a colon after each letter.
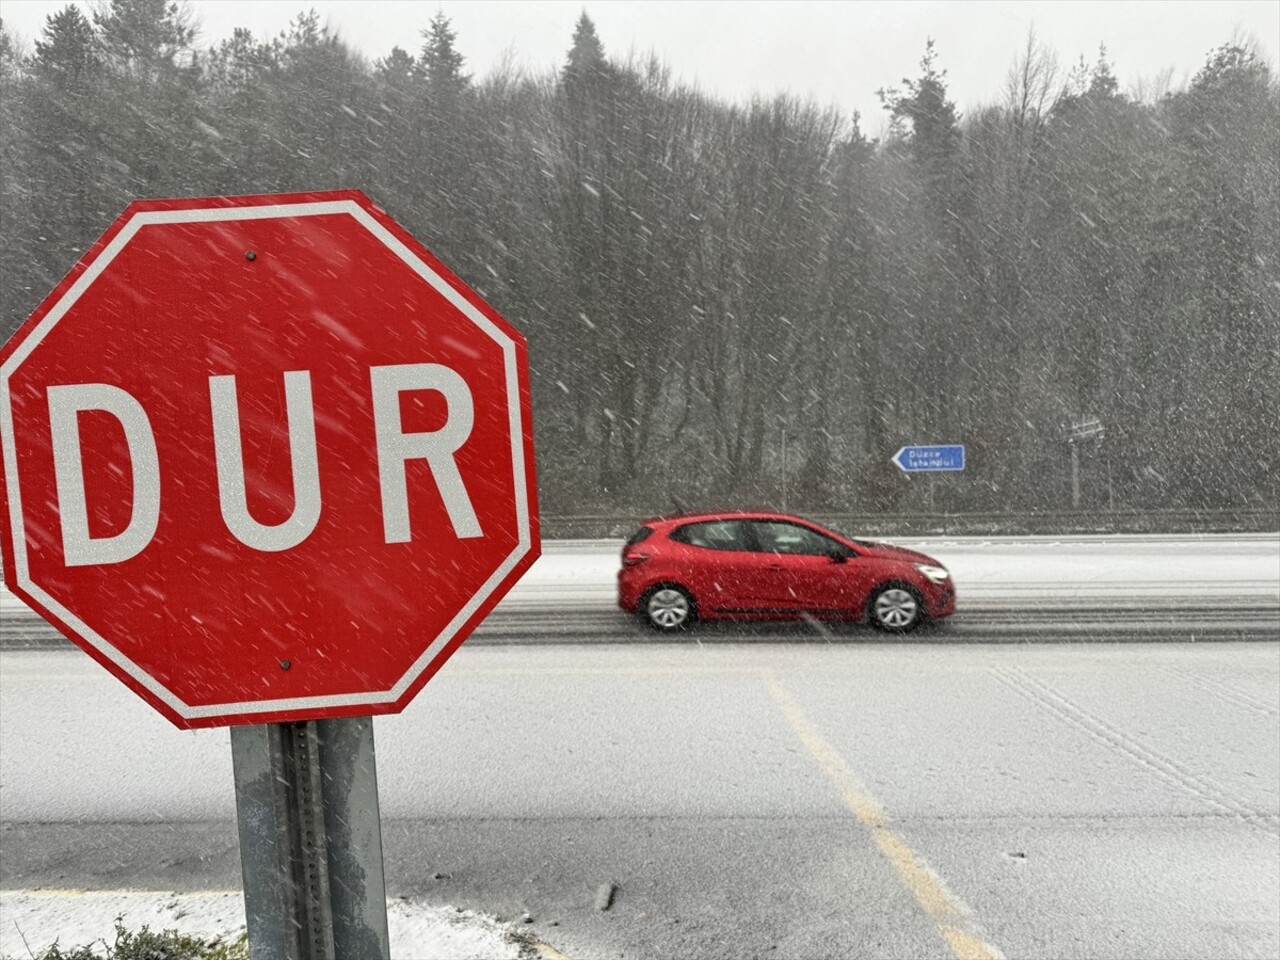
x: 1218, y: 520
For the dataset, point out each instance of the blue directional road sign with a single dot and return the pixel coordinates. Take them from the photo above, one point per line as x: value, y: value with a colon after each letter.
x: 930, y: 459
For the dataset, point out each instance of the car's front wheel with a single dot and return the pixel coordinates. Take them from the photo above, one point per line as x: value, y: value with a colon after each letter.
x: 895, y: 608
x: 668, y: 608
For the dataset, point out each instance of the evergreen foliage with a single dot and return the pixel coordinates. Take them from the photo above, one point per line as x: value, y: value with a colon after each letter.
x: 706, y: 284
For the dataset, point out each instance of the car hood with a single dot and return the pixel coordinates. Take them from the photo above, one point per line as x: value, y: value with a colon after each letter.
x: 887, y: 551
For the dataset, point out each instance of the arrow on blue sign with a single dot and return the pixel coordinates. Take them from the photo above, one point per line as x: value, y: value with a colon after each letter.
x: 926, y: 459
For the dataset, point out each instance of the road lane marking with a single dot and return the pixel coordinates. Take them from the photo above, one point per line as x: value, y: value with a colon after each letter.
x: 547, y: 952
x: 949, y: 913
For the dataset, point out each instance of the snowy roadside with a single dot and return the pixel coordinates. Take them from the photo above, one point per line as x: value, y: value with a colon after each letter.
x: 31, y: 920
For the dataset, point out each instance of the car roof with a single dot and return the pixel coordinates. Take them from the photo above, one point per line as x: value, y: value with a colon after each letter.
x: 680, y: 518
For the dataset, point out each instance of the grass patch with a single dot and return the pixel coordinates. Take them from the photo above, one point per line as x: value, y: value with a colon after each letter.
x: 147, y: 944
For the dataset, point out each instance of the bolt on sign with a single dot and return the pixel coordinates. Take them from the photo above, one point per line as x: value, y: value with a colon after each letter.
x: 265, y: 458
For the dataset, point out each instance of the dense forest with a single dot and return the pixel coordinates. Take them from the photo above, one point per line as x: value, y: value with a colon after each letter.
x: 743, y: 303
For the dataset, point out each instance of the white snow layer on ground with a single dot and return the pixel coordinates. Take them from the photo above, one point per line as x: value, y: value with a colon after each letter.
x: 30, y: 922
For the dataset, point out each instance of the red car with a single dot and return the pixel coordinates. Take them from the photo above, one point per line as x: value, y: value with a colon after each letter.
x: 758, y: 566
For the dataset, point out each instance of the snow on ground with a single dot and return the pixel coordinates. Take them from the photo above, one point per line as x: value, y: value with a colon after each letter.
x: 31, y: 920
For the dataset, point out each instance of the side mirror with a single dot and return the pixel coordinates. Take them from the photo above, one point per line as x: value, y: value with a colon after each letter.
x: 839, y: 555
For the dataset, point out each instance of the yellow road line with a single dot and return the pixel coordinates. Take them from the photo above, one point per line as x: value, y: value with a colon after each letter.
x: 948, y: 912
x: 547, y: 952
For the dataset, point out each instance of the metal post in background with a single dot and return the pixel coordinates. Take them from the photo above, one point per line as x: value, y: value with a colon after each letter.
x: 1088, y: 429
x: 784, y: 469
x: 310, y: 840
x: 1075, y: 474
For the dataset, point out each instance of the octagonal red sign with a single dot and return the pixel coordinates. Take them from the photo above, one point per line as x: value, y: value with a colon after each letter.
x: 265, y: 458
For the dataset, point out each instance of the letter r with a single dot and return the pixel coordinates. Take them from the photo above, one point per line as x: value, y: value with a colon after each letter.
x: 437, y: 447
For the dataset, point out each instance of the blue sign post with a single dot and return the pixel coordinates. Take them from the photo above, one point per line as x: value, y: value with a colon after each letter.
x: 930, y: 459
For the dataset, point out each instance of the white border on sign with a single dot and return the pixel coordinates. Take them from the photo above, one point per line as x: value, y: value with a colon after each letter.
x: 266, y: 212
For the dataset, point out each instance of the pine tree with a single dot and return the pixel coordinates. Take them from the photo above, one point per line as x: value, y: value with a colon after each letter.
x: 1227, y: 130
x: 583, y: 207
x: 241, y: 73
x: 586, y: 60
x: 441, y: 192
x: 1103, y: 84
x: 66, y: 53
x: 144, y: 40
x: 17, y: 265
x: 440, y: 64
x: 65, y: 95
x: 941, y: 306
x: 319, y: 108
x: 149, y: 96
x: 935, y: 130
x: 397, y: 69
x: 395, y: 84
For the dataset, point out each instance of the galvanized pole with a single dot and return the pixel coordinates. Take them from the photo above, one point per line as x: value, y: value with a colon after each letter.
x: 353, y: 826
x: 310, y: 840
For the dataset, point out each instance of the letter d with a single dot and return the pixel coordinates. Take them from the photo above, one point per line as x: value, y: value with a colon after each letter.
x: 79, y: 549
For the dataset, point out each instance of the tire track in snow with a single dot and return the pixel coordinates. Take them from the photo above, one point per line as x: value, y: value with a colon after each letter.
x: 1059, y: 705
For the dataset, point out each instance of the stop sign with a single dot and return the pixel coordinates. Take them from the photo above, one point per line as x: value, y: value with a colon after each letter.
x: 265, y: 458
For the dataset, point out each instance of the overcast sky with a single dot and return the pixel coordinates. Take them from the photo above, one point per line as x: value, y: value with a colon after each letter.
x: 837, y: 53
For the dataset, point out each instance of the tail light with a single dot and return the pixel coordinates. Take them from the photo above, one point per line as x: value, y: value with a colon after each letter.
x: 634, y: 559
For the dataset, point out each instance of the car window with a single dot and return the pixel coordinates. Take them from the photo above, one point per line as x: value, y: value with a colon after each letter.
x: 714, y: 535
x: 639, y: 536
x: 779, y: 537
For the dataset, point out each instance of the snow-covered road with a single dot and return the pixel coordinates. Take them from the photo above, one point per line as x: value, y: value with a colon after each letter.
x: 63, y: 777
x: 1102, y: 800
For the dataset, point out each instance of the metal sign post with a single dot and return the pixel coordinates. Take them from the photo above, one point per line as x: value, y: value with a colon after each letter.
x: 310, y: 840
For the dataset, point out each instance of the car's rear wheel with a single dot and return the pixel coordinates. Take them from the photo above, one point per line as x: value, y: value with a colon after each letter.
x: 895, y: 608
x: 668, y: 608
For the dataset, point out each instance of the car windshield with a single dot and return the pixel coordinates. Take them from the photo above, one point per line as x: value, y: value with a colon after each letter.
x: 424, y: 428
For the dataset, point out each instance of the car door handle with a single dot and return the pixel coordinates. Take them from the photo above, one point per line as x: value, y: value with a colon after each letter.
x: 776, y: 566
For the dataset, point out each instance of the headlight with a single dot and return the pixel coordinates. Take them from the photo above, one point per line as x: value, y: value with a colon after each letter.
x: 936, y: 574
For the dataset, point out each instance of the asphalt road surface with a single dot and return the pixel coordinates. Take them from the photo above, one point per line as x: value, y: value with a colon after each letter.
x: 791, y: 800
